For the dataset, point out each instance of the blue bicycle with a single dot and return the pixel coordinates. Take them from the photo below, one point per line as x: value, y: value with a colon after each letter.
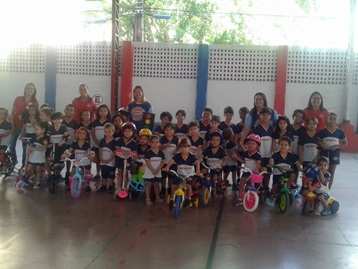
x: 77, y: 181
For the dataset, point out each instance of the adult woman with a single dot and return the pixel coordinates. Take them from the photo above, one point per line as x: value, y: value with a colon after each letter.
x: 316, y: 110
x: 83, y: 102
x: 20, y: 106
x: 252, y: 119
x: 137, y: 107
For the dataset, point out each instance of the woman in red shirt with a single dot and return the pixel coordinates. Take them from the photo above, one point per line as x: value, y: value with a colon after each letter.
x: 316, y: 109
x: 84, y: 102
x: 20, y: 105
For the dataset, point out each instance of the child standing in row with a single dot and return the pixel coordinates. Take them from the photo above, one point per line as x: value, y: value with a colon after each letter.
x: 281, y: 130
x: 128, y: 147
x: 154, y: 160
x: 107, y: 153
x: 232, y: 157
x: 37, y: 152
x: 165, y: 118
x: 297, y: 128
x: 308, y: 143
x: 186, y: 164
x: 214, y: 127
x: 204, y: 123
x: 228, y: 114
x: 103, y: 116
x: 181, y: 129
x: 196, y: 141
x: 5, y: 131
x: 332, y: 139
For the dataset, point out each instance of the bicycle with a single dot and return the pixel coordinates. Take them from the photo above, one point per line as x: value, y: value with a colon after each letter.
x: 77, y: 181
x: 137, y: 183
x: 124, y: 189
x: 209, y: 187
x: 253, y: 190
x: 9, y: 162
x: 179, y: 194
x: 285, y: 196
x: 55, y: 171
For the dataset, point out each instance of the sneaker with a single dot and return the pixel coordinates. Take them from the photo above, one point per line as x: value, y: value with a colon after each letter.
x: 235, y: 187
x: 31, y: 179
x: 102, y: 189
x: 111, y: 189
x: 325, y: 212
x: 227, y: 183
x: 88, y: 189
x: 238, y: 201
x: 171, y: 204
x: 186, y: 203
x: 37, y: 185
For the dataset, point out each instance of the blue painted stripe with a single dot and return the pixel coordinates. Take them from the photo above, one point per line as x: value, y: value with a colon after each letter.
x: 50, y: 76
x: 202, y: 80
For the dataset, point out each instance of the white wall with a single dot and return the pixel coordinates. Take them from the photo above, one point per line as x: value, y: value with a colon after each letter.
x: 13, y: 84
x: 67, y: 88
x: 167, y: 94
x: 236, y: 94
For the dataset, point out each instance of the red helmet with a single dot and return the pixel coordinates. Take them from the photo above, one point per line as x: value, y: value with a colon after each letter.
x: 254, y: 137
x: 129, y: 125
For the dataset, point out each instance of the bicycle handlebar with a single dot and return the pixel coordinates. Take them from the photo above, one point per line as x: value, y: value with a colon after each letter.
x: 122, y: 154
x: 181, y: 176
x: 246, y: 169
x: 282, y: 169
x: 212, y: 168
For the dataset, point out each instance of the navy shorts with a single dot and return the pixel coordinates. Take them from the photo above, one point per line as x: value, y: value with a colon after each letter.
x: 153, y: 180
x: 108, y: 172
x: 120, y: 162
x: 333, y: 156
x: 177, y: 181
x: 230, y: 168
x: 37, y: 164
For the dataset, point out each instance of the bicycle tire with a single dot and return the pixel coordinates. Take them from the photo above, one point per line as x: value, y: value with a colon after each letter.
x: 51, y: 184
x: 177, y: 206
x: 205, y: 196
x: 283, y: 202
x: 251, y: 201
x: 307, y: 208
x: 75, y: 188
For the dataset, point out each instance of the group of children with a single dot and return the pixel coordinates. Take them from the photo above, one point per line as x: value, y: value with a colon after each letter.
x: 111, y: 141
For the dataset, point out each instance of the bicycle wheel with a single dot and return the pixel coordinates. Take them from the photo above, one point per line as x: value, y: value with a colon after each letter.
x: 283, y: 202
x: 307, y: 207
x: 205, y: 196
x: 51, y: 184
x: 251, y: 201
x: 177, y: 206
x: 75, y: 188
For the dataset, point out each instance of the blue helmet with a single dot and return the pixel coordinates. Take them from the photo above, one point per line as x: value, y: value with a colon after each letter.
x: 311, y: 170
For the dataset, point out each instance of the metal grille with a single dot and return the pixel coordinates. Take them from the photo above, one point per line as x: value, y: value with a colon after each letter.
x: 30, y: 59
x: 165, y: 61
x: 242, y: 63
x: 85, y: 59
x: 316, y: 67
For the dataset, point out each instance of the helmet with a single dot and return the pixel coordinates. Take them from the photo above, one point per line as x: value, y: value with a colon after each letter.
x: 311, y: 170
x: 254, y: 137
x: 145, y: 132
x: 129, y: 125
x: 123, y: 111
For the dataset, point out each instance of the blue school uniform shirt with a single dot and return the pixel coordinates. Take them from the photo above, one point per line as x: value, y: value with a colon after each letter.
x: 185, y: 167
x: 296, y: 137
x: 182, y: 131
x: 309, y: 146
x: 212, y: 159
x: 203, y: 128
x: 141, y: 151
x: 171, y: 149
x: 98, y: 130
x: 223, y: 126
x: 72, y: 126
x: 5, y: 126
x: 251, y: 119
x: 108, y: 149
x: 266, y: 140
x: 229, y: 145
x: 38, y: 157
x: 130, y: 145
x: 276, y: 137
x: 159, y: 130
x: 136, y: 113
x: 331, y: 139
x: 251, y: 159
x: 81, y: 152
x: 56, y: 136
x: 155, y: 160
x: 285, y: 163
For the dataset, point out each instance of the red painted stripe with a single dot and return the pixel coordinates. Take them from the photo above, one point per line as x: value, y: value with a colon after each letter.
x: 281, y: 75
x: 127, y: 73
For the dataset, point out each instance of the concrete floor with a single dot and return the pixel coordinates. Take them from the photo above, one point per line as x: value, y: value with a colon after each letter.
x: 42, y: 230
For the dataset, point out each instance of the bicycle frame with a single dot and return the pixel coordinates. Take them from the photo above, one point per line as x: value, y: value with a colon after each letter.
x: 77, y: 182
x: 123, y: 192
